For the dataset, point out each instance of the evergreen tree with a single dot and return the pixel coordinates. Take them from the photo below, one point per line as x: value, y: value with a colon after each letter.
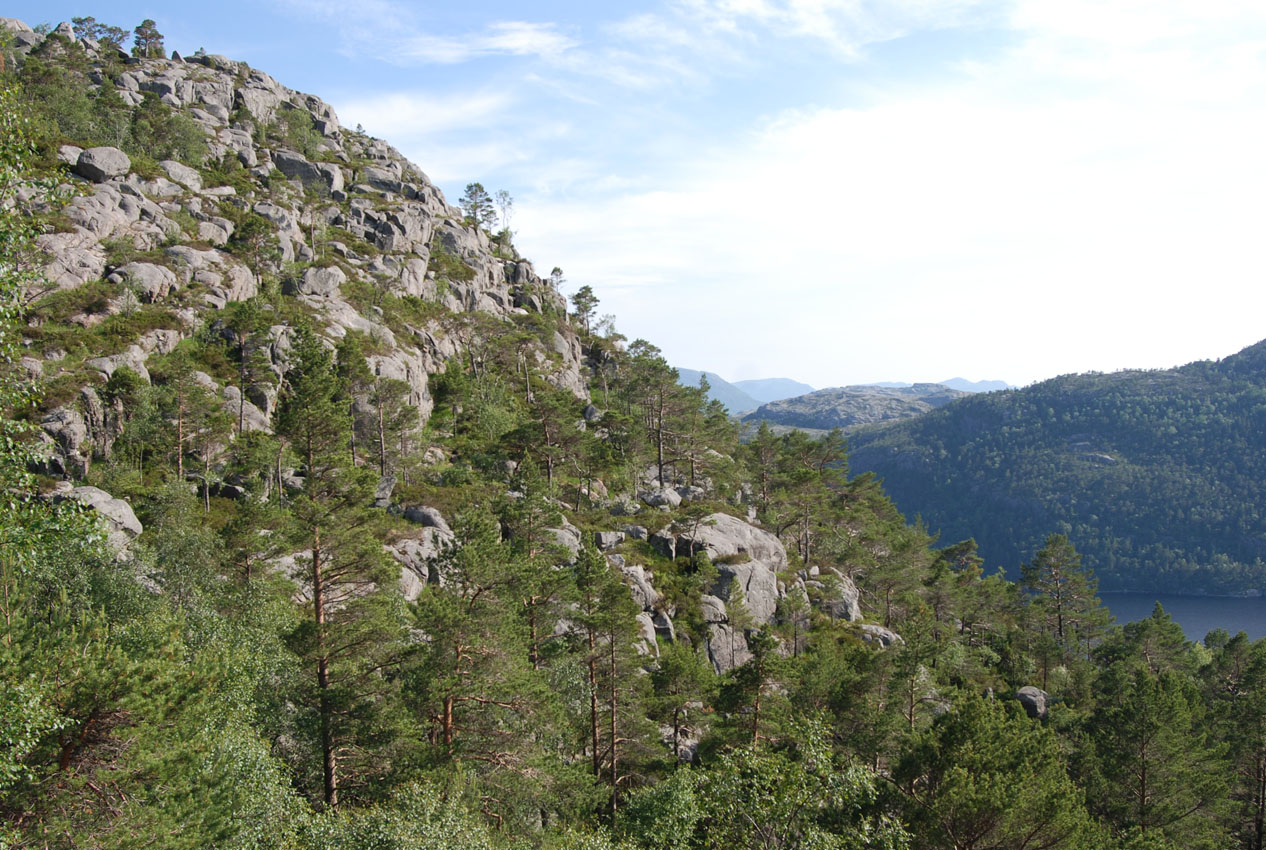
x: 478, y: 206
x: 1064, y: 596
x: 147, y: 41
x: 984, y: 777
x: 352, y: 641
x: 106, y: 35
x: 1154, y: 767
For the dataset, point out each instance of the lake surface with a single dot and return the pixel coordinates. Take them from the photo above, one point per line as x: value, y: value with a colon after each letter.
x: 1198, y: 615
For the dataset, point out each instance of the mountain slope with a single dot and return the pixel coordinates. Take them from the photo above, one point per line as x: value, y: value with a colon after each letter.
x: 773, y: 389
x: 1158, y: 477
x: 844, y: 407
x: 735, y: 400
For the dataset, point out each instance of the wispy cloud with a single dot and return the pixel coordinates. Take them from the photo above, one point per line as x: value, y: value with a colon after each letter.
x: 1086, y: 178
x: 513, y: 38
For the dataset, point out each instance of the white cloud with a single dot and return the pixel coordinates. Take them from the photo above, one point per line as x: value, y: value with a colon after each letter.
x: 515, y: 38
x: 1057, y: 209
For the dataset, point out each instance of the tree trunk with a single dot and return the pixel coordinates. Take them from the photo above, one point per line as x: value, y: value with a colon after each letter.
x: 615, y: 739
x: 329, y: 762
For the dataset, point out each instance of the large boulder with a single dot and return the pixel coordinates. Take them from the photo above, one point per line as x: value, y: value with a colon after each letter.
x: 182, y: 174
x: 1035, y: 701
x: 152, y: 283
x: 841, y: 598
x: 133, y: 358
x: 745, y: 556
x: 605, y: 540
x: 664, y: 498
x: 428, y: 517
x: 122, y: 526
x: 639, y: 580
x: 418, y: 556
x: 320, y: 281
x: 102, y: 164
x: 251, y: 417
x: 296, y: 167
x: 880, y: 635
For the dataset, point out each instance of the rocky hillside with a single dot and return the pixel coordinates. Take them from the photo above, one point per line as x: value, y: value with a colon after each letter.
x: 147, y: 253
x: 846, y: 407
x: 311, y: 223
x: 325, y: 526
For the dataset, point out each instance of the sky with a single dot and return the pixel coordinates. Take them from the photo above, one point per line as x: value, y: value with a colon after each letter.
x: 835, y: 191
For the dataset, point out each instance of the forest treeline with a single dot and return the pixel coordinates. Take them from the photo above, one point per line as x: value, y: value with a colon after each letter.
x: 1157, y: 475
x: 247, y: 671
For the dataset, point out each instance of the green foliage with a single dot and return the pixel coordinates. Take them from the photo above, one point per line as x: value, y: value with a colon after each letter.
x: 110, y: 37
x: 1166, y: 468
x: 478, y: 206
x: 248, y: 674
x: 448, y: 266
x: 985, y: 776
x: 147, y: 41
x: 159, y: 132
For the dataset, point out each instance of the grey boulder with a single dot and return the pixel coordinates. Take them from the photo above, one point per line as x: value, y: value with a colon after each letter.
x: 1035, y: 701
x: 122, y: 526
x: 102, y: 164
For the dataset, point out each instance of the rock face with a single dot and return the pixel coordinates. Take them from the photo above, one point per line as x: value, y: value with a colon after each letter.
x: 396, y: 216
x: 748, y: 558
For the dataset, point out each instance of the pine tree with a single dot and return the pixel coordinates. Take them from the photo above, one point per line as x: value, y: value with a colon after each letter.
x: 478, y: 206
x: 984, y: 777
x: 1064, y: 596
x: 147, y: 41
x: 353, y: 638
x: 1154, y: 767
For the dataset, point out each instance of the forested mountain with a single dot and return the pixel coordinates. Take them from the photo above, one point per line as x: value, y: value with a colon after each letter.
x: 844, y: 407
x: 328, y: 525
x: 1156, y: 476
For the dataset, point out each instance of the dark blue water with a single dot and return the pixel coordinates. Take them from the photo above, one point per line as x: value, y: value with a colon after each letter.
x: 1198, y: 615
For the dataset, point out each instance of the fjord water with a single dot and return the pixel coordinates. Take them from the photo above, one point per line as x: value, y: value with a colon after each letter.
x: 1198, y: 615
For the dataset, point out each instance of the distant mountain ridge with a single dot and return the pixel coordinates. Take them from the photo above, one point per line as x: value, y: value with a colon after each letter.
x: 1158, y: 477
x: 736, y: 401
x: 765, y: 390
x: 975, y: 386
x: 845, y: 407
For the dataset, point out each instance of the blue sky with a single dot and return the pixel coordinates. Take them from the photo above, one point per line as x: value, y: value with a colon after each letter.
x: 835, y: 191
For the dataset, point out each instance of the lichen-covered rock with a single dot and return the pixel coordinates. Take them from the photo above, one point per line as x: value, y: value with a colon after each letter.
x: 608, y: 539
x: 134, y: 359
x: 182, y: 174
x: 151, y: 283
x: 102, y: 164
x: 418, y: 555
x: 319, y: 281
x: 239, y: 409
x: 664, y: 498
x: 427, y: 517
x: 841, y: 598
